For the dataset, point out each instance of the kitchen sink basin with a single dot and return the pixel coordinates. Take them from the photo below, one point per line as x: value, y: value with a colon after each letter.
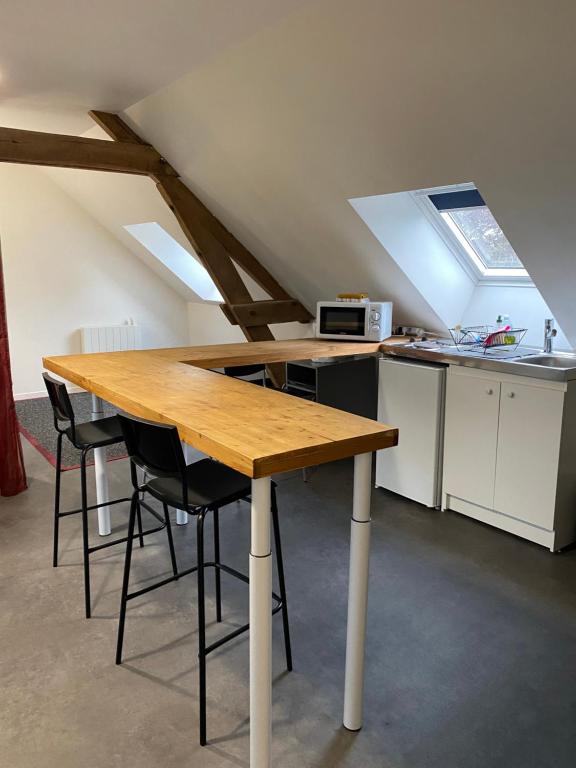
x: 551, y: 361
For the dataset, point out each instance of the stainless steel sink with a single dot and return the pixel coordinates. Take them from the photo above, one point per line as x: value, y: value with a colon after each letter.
x: 551, y: 361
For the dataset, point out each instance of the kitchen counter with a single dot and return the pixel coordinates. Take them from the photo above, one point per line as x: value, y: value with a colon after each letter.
x: 509, y: 435
x: 254, y: 430
x: 517, y: 362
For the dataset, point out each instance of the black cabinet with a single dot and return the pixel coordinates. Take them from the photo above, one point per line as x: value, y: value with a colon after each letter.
x: 347, y: 383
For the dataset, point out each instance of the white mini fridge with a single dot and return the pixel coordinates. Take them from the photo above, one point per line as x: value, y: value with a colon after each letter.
x: 411, y: 397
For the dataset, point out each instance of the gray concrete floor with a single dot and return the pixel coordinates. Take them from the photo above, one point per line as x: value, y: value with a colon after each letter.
x: 471, y: 657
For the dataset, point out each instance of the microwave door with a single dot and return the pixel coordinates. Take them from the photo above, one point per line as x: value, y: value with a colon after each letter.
x: 343, y: 321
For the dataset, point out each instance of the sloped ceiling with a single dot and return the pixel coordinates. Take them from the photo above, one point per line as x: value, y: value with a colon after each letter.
x: 62, y: 58
x: 117, y: 200
x: 343, y: 100
x: 340, y: 100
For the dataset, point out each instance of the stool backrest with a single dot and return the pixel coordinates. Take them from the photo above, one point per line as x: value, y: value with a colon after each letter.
x: 60, y: 402
x: 155, y: 448
x: 238, y: 371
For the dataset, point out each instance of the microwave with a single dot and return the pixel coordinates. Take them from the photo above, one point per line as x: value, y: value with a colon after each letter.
x: 357, y: 320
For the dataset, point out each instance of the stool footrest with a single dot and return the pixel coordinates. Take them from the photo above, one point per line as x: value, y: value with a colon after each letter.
x: 124, y: 539
x: 210, y: 564
x: 144, y: 590
x: 240, y: 630
x: 94, y: 506
x: 152, y: 511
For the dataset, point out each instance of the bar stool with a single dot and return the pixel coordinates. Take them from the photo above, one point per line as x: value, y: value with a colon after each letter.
x: 199, y: 488
x: 85, y: 437
x: 241, y: 371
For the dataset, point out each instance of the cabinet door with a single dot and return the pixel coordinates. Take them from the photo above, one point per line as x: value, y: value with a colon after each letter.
x: 470, y: 439
x: 528, y: 452
x: 411, y: 398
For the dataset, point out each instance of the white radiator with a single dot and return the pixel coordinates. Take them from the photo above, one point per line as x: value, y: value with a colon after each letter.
x: 110, y: 338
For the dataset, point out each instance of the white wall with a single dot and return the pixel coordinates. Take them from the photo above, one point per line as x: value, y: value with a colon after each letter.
x: 343, y: 100
x: 524, y: 304
x: 399, y: 224
x: 207, y: 324
x: 116, y: 199
x: 410, y: 238
x: 62, y: 270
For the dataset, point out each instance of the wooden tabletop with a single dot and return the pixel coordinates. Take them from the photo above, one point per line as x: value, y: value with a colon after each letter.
x: 255, y: 430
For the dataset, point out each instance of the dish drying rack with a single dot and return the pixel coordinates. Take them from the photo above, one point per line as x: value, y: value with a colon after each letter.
x: 485, y: 337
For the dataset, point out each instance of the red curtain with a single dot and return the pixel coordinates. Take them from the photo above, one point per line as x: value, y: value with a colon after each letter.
x: 12, y: 473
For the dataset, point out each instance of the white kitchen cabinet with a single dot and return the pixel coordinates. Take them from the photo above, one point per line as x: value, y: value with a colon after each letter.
x: 510, y: 453
x: 529, y: 435
x: 470, y: 437
x: 411, y: 397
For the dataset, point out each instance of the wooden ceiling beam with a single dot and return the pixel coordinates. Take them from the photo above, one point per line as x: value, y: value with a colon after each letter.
x: 220, y: 267
x: 216, y: 247
x: 51, y: 149
x: 269, y: 312
x: 209, y: 250
x: 175, y: 188
x: 241, y: 255
x: 115, y: 127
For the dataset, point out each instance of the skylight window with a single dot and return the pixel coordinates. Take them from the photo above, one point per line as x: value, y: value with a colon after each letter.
x: 478, y: 239
x: 176, y: 258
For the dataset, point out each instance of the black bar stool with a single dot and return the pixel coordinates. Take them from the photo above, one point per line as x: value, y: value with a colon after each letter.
x: 240, y: 371
x: 202, y: 487
x: 84, y: 437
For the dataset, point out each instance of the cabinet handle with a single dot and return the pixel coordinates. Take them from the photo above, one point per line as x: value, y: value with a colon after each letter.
x: 511, y: 394
x: 489, y: 391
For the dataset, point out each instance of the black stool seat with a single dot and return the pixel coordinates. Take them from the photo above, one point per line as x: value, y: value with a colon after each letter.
x: 209, y: 484
x: 96, y: 434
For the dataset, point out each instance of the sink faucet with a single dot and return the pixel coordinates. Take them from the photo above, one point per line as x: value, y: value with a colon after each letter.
x: 549, y: 333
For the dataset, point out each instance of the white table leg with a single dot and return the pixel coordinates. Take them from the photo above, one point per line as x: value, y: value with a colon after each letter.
x: 260, y: 626
x: 358, y: 592
x: 101, y: 474
x: 181, y: 516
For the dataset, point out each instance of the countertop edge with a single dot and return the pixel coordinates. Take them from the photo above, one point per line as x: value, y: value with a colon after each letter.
x: 511, y: 367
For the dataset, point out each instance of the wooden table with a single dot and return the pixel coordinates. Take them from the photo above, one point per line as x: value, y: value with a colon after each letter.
x: 258, y: 432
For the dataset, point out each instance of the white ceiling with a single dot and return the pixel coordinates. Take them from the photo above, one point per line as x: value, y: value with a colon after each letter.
x: 62, y: 58
x: 286, y: 113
